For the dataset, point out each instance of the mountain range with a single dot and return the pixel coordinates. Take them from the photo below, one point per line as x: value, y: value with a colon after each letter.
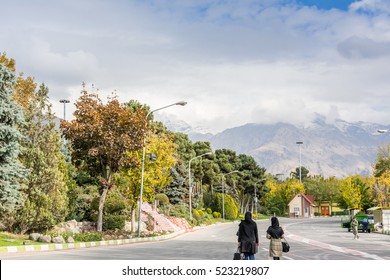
x: 337, y: 149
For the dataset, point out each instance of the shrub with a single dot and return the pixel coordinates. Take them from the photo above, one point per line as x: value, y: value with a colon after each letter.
x: 113, y: 221
x: 216, y: 215
x: 88, y: 236
x: 231, y: 206
x: 179, y: 210
x: 209, y: 211
x: 201, y: 212
x: 162, y: 198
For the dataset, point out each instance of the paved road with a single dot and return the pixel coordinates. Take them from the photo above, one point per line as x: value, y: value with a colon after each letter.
x: 310, y: 239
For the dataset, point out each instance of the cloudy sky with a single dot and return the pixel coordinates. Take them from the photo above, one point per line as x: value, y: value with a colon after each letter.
x: 233, y: 61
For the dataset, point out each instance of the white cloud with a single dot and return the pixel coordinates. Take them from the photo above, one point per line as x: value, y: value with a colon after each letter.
x: 374, y: 6
x: 233, y: 61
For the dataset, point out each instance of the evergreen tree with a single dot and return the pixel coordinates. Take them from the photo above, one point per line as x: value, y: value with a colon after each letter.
x: 11, y: 171
x: 46, y: 192
x: 176, y: 189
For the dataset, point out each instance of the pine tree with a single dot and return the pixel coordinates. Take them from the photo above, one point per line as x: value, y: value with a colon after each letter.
x: 46, y: 191
x: 11, y: 171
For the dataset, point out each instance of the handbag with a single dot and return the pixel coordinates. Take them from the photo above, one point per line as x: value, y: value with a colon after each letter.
x: 285, y: 246
x: 237, y: 255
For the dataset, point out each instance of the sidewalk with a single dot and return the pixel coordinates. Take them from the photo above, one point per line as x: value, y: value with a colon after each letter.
x: 53, y: 246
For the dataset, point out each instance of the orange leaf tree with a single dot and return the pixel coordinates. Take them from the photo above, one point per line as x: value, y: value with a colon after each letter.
x: 101, y: 136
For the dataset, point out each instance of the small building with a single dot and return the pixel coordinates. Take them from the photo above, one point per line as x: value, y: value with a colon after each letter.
x: 381, y: 218
x: 301, y: 206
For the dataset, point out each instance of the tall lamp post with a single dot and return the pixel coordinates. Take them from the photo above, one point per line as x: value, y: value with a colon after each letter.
x: 383, y: 131
x: 300, y: 160
x: 64, y: 101
x: 223, y: 192
x: 181, y: 103
x: 189, y: 180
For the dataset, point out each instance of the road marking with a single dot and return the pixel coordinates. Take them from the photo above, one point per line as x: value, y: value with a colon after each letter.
x: 333, y: 247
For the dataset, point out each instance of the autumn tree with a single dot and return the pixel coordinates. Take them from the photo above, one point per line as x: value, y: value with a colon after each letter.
x: 11, y: 118
x: 381, y: 189
x: 8, y: 62
x: 280, y: 194
x: 101, y: 136
x: 355, y: 192
x: 159, y: 160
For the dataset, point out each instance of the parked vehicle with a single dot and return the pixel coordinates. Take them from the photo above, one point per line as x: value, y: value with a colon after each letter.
x: 366, y: 222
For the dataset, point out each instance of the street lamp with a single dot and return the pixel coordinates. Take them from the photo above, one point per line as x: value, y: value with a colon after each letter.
x: 300, y: 160
x: 223, y: 192
x: 181, y: 103
x: 64, y: 101
x: 383, y: 130
x: 189, y: 180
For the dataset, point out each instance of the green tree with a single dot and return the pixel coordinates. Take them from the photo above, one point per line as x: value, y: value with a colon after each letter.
x: 46, y: 192
x: 383, y: 160
x: 11, y: 170
x: 185, y: 148
x: 304, y: 173
x: 176, y: 189
x: 101, y: 135
x: 251, y: 176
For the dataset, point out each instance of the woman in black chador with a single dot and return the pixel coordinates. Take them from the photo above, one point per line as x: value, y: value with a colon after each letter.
x: 275, y: 234
x: 248, y: 237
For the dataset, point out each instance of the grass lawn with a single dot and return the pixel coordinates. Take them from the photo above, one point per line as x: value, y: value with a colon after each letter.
x: 10, y: 239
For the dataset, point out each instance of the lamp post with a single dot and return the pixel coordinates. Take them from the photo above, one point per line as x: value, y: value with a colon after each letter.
x: 300, y: 160
x: 181, y: 103
x: 64, y: 101
x: 189, y: 180
x: 383, y: 130
x: 223, y: 192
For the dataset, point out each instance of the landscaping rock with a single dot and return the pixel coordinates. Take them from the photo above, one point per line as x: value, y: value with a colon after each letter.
x: 70, y: 240
x: 58, y: 239
x: 44, y: 238
x: 34, y: 236
x: 74, y: 227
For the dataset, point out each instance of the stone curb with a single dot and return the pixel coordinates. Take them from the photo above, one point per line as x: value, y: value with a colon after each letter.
x: 52, y: 246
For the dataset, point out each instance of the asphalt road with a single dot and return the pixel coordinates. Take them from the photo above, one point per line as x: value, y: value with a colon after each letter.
x: 310, y: 239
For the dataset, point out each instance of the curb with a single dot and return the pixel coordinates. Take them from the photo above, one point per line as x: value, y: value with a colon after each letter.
x: 52, y: 246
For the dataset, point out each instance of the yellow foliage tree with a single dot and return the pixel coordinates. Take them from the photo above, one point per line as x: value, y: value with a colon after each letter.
x: 157, y: 171
x: 280, y: 194
x: 381, y: 189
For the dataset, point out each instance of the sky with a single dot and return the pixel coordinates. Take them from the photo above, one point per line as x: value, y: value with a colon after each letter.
x: 233, y: 61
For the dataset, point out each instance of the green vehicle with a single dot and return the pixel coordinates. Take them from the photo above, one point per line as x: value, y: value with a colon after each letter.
x: 366, y: 222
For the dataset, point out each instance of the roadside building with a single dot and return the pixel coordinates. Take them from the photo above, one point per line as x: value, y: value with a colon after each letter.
x: 302, y: 206
x: 381, y: 218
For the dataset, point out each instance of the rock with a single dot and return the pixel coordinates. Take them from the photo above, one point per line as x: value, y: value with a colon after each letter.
x: 44, y: 238
x: 34, y: 236
x: 70, y: 240
x: 58, y: 239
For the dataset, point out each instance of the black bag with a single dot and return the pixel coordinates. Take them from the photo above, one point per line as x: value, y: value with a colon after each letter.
x: 285, y: 246
x: 237, y: 255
